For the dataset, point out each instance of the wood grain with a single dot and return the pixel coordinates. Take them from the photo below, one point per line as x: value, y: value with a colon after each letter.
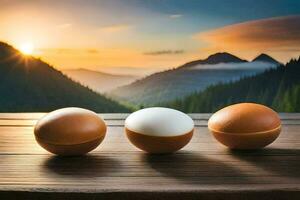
x: 204, y: 169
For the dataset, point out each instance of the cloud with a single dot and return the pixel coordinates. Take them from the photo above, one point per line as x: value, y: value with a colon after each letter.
x: 257, y: 65
x: 92, y: 51
x: 115, y: 28
x: 164, y: 52
x: 273, y: 34
x: 175, y: 16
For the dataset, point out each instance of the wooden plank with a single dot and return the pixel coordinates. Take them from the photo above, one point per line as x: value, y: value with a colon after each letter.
x: 211, y: 193
x: 117, y: 170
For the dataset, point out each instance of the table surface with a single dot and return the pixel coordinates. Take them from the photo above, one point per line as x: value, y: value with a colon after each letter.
x: 204, y: 169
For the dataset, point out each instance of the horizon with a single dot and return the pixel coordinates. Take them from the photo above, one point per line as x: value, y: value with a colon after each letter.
x: 123, y: 36
x: 111, y: 72
x: 140, y: 73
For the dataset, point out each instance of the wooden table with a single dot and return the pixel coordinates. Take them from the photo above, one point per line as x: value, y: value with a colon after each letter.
x: 204, y: 169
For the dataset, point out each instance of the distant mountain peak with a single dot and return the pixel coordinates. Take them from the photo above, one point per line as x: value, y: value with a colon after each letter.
x: 221, y: 57
x: 84, y: 70
x: 265, y: 58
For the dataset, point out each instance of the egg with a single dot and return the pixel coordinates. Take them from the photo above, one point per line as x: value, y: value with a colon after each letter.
x: 70, y: 131
x: 245, y: 126
x: 159, y: 130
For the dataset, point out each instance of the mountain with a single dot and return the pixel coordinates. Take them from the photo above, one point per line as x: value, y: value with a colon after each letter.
x: 99, y: 81
x: 216, y: 59
x: 191, y: 77
x: 265, y: 58
x: 28, y: 84
x: 278, y: 88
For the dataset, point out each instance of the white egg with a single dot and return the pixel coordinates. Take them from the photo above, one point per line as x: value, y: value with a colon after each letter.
x: 159, y: 130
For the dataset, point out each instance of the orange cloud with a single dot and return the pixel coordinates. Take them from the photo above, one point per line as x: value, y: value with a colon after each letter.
x: 115, y: 28
x: 164, y: 52
x: 268, y: 35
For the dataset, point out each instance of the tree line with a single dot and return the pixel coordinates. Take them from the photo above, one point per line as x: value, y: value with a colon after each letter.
x: 278, y: 88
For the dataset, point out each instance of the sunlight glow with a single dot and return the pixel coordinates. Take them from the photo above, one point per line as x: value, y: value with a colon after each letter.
x: 27, y: 48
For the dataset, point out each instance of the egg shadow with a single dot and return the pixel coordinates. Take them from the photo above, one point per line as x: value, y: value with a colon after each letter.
x: 193, y: 168
x: 81, y: 166
x: 285, y: 162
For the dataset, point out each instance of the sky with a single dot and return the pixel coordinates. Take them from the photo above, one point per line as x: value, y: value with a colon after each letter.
x: 149, y: 35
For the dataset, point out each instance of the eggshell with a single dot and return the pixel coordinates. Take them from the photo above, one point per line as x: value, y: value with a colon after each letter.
x: 70, y: 131
x: 245, y: 126
x: 159, y: 130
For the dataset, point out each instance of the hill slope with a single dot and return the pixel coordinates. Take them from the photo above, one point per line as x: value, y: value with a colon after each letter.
x: 278, y: 88
x: 265, y: 58
x: 99, y: 81
x: 191, y: 77
x: 28, y: 84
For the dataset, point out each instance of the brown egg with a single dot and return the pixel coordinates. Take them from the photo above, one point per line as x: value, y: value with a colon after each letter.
x: 70, y: 131
x: 159, y: 130
x: 245, y: 126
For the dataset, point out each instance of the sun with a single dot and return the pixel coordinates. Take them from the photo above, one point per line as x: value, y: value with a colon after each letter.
x: 27, y: 48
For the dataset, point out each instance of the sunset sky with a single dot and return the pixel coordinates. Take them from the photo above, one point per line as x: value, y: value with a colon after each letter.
x: 149, y: 34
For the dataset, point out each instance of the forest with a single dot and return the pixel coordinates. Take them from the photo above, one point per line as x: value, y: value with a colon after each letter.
x: 278, y: 88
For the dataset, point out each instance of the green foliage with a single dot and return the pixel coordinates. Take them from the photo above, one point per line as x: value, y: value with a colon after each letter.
x: 28, y: 84
x: 277, y: 88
